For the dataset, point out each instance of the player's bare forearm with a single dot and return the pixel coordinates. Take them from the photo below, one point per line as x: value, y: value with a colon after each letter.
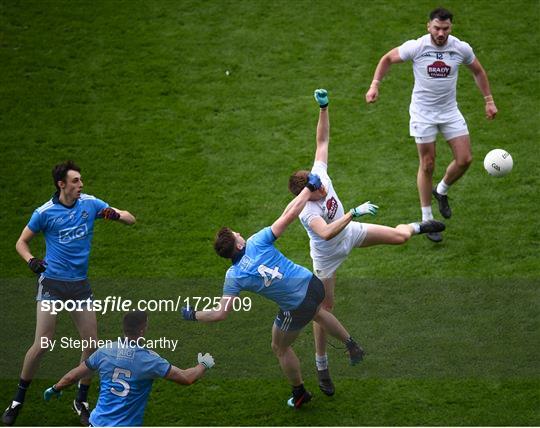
x: 293, y: 210
x: 391, y: 57
x: 211, y: 316
x: 187, y: 376
x: 126, y: 217
x: 22, y: 246
x: 482, y: 81
x: 382, y: 68
x: 329, y: 230
x: 74, y: 375
x: 323, y: 136
x: 23, y: 249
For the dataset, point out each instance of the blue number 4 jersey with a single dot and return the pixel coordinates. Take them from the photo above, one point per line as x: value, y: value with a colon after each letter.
x: 263, y: 269
x: 126, y: 375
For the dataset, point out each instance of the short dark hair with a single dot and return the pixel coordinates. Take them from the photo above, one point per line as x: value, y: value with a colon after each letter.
x: 441, y: 14
x: 60, y: 171
x: 225, y: 243
x: 298, y: 181
x: 134, y: 322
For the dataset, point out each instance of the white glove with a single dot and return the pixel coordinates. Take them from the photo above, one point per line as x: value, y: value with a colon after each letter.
x: 206, y: 360
x: 365, y: 208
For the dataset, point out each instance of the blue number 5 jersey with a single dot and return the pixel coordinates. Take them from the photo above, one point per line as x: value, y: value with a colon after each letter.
x: 263, y: 269
x: 126, y: 374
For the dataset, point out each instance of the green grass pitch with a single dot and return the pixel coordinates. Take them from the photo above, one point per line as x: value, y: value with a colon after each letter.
x: 192, y: 115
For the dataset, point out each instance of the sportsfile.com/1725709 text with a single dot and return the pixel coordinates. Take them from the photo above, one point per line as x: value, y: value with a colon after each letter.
x: 119, y: 304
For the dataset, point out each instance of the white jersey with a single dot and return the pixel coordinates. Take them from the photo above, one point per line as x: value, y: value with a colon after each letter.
x: 330, y: 209
x: 435, y: 71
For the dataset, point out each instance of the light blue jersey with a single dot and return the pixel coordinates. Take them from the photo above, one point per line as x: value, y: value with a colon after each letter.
x: 68, y: 235
x: 126, y: 375
x: 264, y: 270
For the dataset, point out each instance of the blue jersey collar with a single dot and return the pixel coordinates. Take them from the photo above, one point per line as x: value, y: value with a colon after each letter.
x: 56, y: 200
x: 238, y: 256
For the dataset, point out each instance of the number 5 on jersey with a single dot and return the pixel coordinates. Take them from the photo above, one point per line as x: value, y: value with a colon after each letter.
x: 116, y: 379
x: 269, y: 274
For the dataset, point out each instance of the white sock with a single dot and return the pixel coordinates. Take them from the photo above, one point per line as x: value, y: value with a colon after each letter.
x: 442, y: 188
x: 427, y: 214
x: 322, y: 362
x: 416, y: 228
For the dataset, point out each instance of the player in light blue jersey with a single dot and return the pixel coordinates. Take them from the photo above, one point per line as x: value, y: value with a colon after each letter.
x: 126, y: 372
x: 67, y: 223
x: 258, y: 266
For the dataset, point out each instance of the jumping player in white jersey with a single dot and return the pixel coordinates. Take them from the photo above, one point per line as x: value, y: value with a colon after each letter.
x: 333, y: 234
x: 436, y: 58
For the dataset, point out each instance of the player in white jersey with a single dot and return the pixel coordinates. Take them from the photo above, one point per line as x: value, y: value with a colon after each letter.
x: 436, y: 58
x: 333, y: 234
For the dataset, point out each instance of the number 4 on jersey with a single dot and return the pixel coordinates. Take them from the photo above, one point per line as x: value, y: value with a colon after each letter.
x: 269, y: 274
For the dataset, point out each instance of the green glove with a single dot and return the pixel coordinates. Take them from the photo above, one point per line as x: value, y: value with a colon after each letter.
x: 51, y: 392
x: 321, y: 96
x: 365, y: 208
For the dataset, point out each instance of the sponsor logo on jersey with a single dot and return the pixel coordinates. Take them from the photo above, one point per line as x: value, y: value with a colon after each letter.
x: 125, y: 353
x: 438, y: 69
x: 331, y: 207
x: 65, y: 236
x: 245, y: 263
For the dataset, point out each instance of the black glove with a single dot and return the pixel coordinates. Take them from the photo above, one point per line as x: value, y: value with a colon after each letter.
x: 37, y: 265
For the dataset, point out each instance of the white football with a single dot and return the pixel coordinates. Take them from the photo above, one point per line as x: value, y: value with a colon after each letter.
x: 498, y: 163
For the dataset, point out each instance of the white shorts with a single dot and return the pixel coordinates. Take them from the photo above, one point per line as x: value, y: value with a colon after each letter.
x: 325, y: 266
x: 425, y: 124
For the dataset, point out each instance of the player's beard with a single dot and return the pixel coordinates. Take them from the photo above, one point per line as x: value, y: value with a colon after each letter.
x: 439, y: 42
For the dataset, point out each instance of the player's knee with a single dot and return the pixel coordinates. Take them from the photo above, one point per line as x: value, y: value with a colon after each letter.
x: 41, y: 346
x: 278, y: 350
x: 464, y: 161
x: 328, y: 304
x: 427, y: 165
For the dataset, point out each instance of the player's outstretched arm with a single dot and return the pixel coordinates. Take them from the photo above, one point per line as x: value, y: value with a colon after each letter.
x: 295, y: 207
x: 391, y: 57
x: 219, y: 313
x: 115, y: 214
x: 323, y: 126
x: 74, y: 375
x: 481, y: 79
x: 188, y: 376
x: 328, y: 231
